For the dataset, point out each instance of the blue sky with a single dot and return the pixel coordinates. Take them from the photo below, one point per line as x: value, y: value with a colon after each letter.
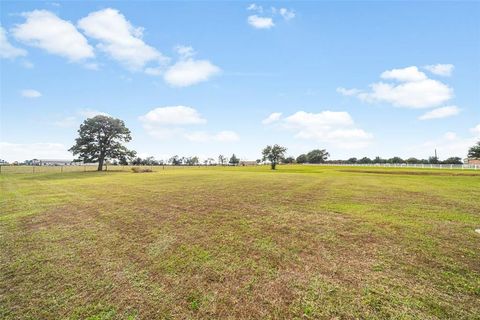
x: 208, y: 78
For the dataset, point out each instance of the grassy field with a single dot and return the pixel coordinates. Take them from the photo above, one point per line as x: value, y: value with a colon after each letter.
x: 303, y: 242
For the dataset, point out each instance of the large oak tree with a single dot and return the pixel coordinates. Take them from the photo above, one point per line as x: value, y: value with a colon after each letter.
x: 100, y: 138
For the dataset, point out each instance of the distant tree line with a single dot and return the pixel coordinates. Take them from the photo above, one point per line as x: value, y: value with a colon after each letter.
x: 101, y: 140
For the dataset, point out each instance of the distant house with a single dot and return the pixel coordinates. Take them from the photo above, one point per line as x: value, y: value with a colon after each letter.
x: 472, y: 161
x: 52, y: 162
x: 247, y: 163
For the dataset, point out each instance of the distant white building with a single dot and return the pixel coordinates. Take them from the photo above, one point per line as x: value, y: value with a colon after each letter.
x: 247, y: 163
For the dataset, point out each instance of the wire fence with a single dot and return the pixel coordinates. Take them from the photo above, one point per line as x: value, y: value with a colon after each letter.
x: 25, y: 169
x: 404, y: 165
x: 12, y: 169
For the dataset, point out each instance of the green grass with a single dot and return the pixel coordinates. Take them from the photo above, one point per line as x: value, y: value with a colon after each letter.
x: 302, y: 242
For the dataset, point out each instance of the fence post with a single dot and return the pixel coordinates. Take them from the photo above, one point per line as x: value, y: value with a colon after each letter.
x: 61, y: 169
x: 33, y: 169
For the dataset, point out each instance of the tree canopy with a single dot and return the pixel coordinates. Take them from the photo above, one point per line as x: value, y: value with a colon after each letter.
x: 234, y: 160
x: 474, y: 152
x: 100, y: 138
x: 274, y: 154
x: 317, y: 156
x: 302, y: 158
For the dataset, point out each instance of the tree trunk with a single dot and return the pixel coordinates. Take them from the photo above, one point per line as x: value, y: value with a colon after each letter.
x: 100, y: 164
x: 273, y: 165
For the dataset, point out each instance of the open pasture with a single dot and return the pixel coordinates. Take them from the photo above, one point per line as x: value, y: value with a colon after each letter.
x: 304, y: 242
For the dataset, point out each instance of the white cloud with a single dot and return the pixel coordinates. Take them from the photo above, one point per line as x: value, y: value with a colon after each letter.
x: 441, y: 69
x: 172, y: 115
x: 30, y: 93
x: 286, y: 14
x: 20, y: 152
x: 168, y: 122
x: 7, y: 50
x: 409, y: 74
x: 442, y: 112
x: 266, y: 20
x: 255, y: 7
x: 119, y: 38
x: 185, y: 52
x: 348, y: 92
x: 43, y: 29
x: 333, y: 127
x: 260, y: 22
x: 189, y: 72
x: 411, y: 89
x: 418, y: 94
x: 272, y: 118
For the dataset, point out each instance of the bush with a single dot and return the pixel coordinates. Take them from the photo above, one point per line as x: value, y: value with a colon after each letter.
x: 141, y: 170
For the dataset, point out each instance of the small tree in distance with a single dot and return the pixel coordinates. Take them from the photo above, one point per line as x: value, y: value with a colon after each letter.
x: 101, y: 138
x: 274, y: 154
x: 234, y: 160
x: 221, y: 159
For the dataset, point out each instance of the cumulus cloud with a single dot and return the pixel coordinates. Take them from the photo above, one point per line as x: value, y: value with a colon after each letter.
x: 410, y: 88
x: 119, y: 39
x: 172, y: 115
x: 409, y: 74
x: 185, y: 52
x: 444, y: 70
x: 275, y: 116
x: 442, y: 112
x: 334, y: 127
x: 30, y: 93
x: 286, y: 13
x: 189, y: 71
x: 44, y: 30
x: 260, y: 22
x: 174, y: 121
x: 255, y: 7
x: 20, y: 152
x: 265, y: 19
x: 7, y: 50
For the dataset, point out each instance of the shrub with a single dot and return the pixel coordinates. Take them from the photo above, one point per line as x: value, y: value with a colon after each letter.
x: 141, y: 170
